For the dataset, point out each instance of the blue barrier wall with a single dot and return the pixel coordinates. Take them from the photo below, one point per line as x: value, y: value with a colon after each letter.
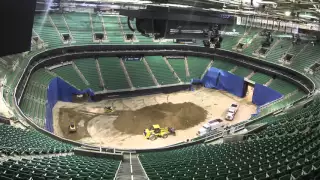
x: 262, y: 95
x: 231, y: 83
x: 211, y: 78
x: 59, y: 90
x: 223, y: 80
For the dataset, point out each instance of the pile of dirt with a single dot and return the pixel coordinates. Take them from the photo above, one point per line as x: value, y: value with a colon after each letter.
x: 80, y: 119
x: 180, y: 116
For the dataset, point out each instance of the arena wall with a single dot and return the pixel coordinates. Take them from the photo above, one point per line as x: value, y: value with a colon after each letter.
x: 140, y: 92
x: 58, y: 55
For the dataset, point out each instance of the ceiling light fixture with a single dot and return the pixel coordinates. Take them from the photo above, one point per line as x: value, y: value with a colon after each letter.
x: 287, y: 13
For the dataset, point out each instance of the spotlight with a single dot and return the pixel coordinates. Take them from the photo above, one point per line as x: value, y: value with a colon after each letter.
x: 287, y: 13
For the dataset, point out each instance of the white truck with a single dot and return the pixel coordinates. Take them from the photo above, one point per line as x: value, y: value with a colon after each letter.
x: 210, y: 126
x: 232, y: 111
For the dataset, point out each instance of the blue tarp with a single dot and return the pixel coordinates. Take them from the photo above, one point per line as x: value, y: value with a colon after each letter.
x: 262, y: 95
x: 231, y: 83
x: 223, y: 80
x: 59, y: 90
x: 211, y: 78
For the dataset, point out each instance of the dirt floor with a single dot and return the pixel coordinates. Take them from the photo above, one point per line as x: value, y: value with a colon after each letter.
x: 180, y: 116
x: 186, y: 111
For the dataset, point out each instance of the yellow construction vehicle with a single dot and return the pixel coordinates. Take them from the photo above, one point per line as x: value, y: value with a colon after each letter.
x: 155, y: 131
x: 72, y: 127
x: 108, y: 109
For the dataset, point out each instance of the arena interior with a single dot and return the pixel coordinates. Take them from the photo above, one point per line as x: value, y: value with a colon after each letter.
x: 85, y: 101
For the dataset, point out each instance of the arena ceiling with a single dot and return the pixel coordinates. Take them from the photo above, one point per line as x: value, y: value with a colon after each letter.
x: 292, y: 10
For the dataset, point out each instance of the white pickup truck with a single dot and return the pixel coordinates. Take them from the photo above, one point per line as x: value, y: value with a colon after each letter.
x: 210, y: 126
x: 232, y: 111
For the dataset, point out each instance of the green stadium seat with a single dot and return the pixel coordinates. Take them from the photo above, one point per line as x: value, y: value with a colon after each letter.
x: 112, y: 73
x: 141, y: 78
x: 89, y: 70
x: 260, y: 78
x: 80, y: 27
x: 197, y: 66
x: 161, y: 70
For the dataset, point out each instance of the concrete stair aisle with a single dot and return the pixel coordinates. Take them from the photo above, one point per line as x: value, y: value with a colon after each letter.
x: 104, y: 28
x: 186, y: 66
x: 91, y: 24
x: 70, y: 34
x: 126, y: 74
x: 150, y: 72
x: 131, y: 169
x: 248, y: 43
x: 121, y: 27
x: 125, y: 171
x: 242, y: 38
x: 301, y: 51
x: 233, y: 69
x: 273, y: 46
x: 171, y: 69
x: 137, y: 169
x: 55, y: 27
x: 250, y: 75
x: 269, y: 82
x: 207, y: 68
x: 42, y: 44
x: 100, y: 75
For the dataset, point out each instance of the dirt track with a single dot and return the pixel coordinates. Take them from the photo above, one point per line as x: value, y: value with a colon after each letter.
x: 124, y: 127
x: 180, y: 116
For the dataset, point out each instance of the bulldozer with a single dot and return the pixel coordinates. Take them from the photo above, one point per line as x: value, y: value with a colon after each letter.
x: 108, y: 109
x: 156, y: 131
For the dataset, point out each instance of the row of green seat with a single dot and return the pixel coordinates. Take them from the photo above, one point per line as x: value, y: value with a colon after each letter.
x: 197, y: 66
x: 223, y: 64
x: 307, y: 56
x: 35, y: 97
x: 97, y: 23
x: 90, y: 72
x: 80, y: 27
x: 260, y: 78
x: 305, y: 119
x: 242, y: 71
x: 17, y: 141
x: 282, y: 86
x: 46, y: 31
x: 264, y: 158
x: 286, y: 101
x: 161, y: 70
x: 113, y: 29
x: 230, y: 41
x: 61, y: 167
x: 278, y: 51
x: 140, y: 78
x: 69, y: 74
x: 179, y: 67
x: 112, y: 73
x: 287, y: 149
x: 59, y: 23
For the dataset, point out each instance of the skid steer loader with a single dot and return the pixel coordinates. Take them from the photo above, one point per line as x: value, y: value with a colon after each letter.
x: 156, y: 131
